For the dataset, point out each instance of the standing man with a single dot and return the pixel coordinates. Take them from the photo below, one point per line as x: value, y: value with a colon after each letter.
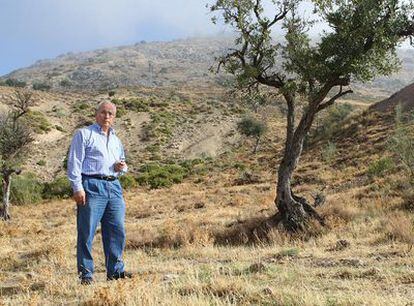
x: 96, y: 159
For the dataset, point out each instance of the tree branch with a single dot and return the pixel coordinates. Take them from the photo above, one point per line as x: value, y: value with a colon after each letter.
x: 333, y: 99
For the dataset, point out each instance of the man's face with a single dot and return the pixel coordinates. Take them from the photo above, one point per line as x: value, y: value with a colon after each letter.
x: 105, y: 115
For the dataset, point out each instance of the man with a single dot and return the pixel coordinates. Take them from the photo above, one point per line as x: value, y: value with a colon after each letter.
x: 96, y: 159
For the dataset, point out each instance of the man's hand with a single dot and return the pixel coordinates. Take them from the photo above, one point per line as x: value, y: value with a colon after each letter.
x: 119, y: 166
x: 79, y: 197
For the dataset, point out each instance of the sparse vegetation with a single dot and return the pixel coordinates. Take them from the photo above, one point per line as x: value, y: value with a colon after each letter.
x: 252, y: 127
x: 38, y: 121
x: 14, y: 83
x: 26, y: 189
x: 128, y: 181
x: 380, y: 167
x: 43, y: 86
x: 328, y: 152
x: 402, y: 142
x: 59, y: 188
x: 157, y: 175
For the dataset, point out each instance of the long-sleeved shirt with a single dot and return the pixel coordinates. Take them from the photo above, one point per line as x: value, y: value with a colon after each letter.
x: 93, y: 152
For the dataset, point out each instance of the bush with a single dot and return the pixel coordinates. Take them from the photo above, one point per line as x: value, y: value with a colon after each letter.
x: 402, y: 142
x: 133, y: 104
x: 251, y: 127
x: 41, y: 162
x: 331, y: 120
x: 156, y: 175
x: 128, y: 181
x: 65, y: 83
x: 38, y: 122
x: 380, y: 167
x: 59, y: 188
x: 41, y: 86
x: 14, y: 83
x: 25, y: 189
x: 328, y: 152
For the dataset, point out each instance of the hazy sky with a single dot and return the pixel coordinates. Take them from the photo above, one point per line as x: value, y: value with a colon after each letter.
x: 38, y: 29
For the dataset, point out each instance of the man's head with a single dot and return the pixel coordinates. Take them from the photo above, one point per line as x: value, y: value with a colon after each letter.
x: 105, y: 115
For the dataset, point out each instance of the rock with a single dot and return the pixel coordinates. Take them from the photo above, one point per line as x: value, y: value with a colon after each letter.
x: 199, y: 205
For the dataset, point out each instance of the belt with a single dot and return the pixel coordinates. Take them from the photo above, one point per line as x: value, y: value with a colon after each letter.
x: 101, y: 177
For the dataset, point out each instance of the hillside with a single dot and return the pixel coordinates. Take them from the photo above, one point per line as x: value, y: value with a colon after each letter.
x: 155, y: 124
x: 199, y: 242
x: 149, y: 64
x: 175, y: 63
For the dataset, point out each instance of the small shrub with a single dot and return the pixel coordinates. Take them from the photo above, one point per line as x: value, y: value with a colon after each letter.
x: 331, y: 121
x: 252, y: 127
x: 15, y: 83
x: 25, y: 189
x: 402, y: 142
x: 380, y: 167
x: 41, y: 162
x: 398, y: 227
x: 59, y: 188
x: 328, y: 152
x: 65, y: 83
x: 128, y: 181
x: 41, y: 86
x: 111, y: 93
x: 38, y: 122
x: 157, y: 175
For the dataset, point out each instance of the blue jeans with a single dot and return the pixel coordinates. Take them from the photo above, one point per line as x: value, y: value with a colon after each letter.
x: 105, y: 204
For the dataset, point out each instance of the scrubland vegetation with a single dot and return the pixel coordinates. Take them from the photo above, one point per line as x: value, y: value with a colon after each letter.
x: 203, y: 235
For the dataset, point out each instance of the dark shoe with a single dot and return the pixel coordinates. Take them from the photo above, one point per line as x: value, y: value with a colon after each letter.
x: 86, y: 281
x: 120, y: 275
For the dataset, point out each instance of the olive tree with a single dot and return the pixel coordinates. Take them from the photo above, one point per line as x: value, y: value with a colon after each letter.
x: 15, y: 136
x: 358, y: 44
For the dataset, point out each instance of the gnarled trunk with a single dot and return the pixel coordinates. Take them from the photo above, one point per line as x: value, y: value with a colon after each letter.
x: 4, y: 211
x: 295, y: 211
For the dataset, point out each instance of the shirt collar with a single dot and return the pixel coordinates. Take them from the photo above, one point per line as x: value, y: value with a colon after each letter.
x: 98, y: 128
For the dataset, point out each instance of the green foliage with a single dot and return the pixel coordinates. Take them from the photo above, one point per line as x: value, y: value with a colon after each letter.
x: 128, y: 181
x: 38, y: 122
x: 157, y: 175
x: 59, y: 188
x: 133, y: 104
x: 25, y: 189
x: 402, y: 142
x: 41, y: 86
x: 65, y: 83
x: 331, y: 121
x: 41, y: 162
x: 329, y: 152
x: 380, y: 167
x: 251, y: 127
x: 14, y: 83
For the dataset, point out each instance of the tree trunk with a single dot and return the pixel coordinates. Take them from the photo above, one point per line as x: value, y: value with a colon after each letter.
x: 4, y: 211
x: 295, y: 211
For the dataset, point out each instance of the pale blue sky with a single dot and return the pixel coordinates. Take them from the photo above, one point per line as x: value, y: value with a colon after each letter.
x: 39, y: 29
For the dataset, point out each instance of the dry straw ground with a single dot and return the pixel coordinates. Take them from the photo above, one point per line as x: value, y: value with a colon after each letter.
x: 198, y: 243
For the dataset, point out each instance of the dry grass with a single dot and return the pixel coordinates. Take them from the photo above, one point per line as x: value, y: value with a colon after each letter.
x: 214, y: 243
x: 180, y: 257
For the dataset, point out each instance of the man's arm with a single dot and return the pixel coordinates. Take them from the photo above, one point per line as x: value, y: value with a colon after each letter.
x: 75, y: 160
